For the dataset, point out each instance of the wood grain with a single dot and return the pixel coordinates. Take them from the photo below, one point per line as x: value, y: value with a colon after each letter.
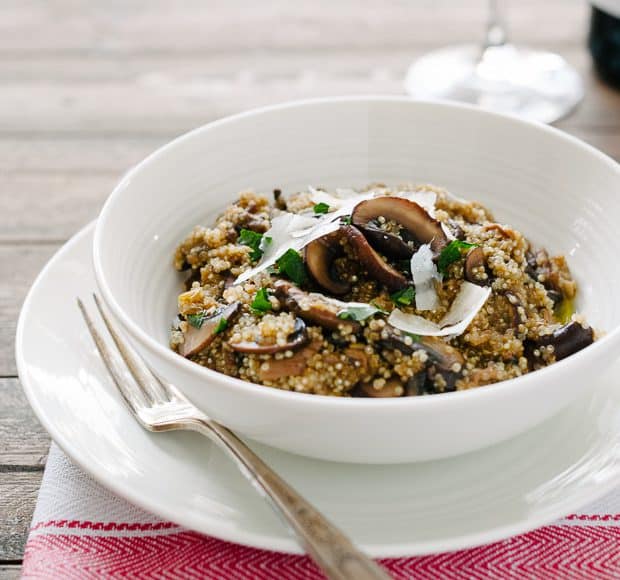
x: 165, y: 104
x: 18, y: 493
x: 23, y: 442
x: 19, y: 264
x: 59, y: 26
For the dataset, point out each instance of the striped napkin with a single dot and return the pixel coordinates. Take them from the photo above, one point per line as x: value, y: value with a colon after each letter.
x: 81, y: 531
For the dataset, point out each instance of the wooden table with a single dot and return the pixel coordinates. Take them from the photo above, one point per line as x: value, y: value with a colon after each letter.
x: 88, y: 89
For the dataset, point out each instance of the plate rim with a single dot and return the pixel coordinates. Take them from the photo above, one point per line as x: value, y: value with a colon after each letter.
x: 283, y: 544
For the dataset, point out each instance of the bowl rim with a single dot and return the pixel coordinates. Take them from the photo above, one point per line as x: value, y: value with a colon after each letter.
x: 529, y: 380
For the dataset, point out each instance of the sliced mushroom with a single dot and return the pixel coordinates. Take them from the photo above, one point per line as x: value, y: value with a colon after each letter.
x: 438, y: 351
x: 377, y: 267
x: 503, y: 231
x: 320, y: 255
x: 289, y: 367
x: 444, y: 365
x: 565, y: 340
x: 416, y: 385
x: 553, y: 273
x: 475, y: 267
x: 456, y: 229
x: 414, y: 219
x: 313, y: 307
x: 193, y: 277
x: 278, y: 200
x: 295, y: 340
x: 197, y: 339
x: 391, y: 388
x: 518, y: 316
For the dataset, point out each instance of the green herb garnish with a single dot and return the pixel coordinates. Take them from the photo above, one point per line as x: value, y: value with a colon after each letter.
x: 222, y: 325
x: 292, y: 264
x: 252, y: 239
x: 196, y: 320
x: 403, y: 297
x: 321, y: 208
x: 452, y: 253
x: 261, y: 303
x: 346, y: 220
x: 414, y: 337
x: 359, y: 312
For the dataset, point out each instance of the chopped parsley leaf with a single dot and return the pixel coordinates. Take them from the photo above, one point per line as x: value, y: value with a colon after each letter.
x: 346, y: 220
x: 452, y: 253
x: 261, y: 303
x: 222, y: 325
x: 292, y: 264
x: 403, y: 297
x: 196, y: 320
x: 252, y: 239
x: 414, y: 337
x: 321, y: 208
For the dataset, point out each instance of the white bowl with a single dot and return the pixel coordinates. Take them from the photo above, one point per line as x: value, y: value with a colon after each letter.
x: 557, y: 190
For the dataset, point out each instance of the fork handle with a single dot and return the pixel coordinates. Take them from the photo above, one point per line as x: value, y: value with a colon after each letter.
x: 329, y: 547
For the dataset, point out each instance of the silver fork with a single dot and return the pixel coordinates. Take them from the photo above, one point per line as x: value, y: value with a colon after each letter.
x: 159, y: 406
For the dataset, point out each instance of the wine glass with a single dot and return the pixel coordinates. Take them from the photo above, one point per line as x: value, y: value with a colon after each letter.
x: 499, y: 76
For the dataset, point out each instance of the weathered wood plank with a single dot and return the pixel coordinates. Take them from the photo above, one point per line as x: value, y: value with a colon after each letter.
x: 19, y: 265
x: 50, y: 206
x: 18, y: 493
x: 57, y: 26
x: 88, y: 156
x: 112, y: 156
x: 166, y: 103
x: 10, y: 571
x: 23, y: 442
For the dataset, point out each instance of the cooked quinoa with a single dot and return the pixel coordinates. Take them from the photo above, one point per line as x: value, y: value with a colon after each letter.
x: 381, y: 292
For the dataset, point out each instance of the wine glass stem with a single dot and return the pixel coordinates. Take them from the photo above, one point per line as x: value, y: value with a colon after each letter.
x: 496, y: 32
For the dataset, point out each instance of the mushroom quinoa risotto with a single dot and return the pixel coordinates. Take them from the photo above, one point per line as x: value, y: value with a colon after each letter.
x: 380, y: 292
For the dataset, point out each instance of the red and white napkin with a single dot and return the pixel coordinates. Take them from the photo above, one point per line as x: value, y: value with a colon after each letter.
x: 80, y: 531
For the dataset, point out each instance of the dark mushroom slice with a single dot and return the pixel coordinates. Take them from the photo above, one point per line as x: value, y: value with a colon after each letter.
x: 444, y: 366
x: 295, y: 340
x: 565, y: 340
x: 438, y: 351
x: 440, y: 380
x: 390, y: 244
x: 475, y: 267
x: 312, y: 307
x: 193, y: 277
x: 414, y: 219
x: 197, y: 339
x: 391, y: 388
x: 278, y: 199
x: 320, y: 255
x: 518, y: 316
x: 416, y: 385
x: 291, y: 366
x: 376, y: 266
x: 456, y: 229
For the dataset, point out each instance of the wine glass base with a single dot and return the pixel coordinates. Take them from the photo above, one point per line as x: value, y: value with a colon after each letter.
x: 532, y: 84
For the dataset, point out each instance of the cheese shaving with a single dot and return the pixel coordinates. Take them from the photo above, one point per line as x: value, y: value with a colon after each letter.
x: 468, y: 302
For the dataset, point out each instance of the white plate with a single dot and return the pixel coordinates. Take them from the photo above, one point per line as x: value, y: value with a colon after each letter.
x: 398, y: 510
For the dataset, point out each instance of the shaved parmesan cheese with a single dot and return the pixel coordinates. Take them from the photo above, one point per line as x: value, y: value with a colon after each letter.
x: 424, y: 273
x: 318, y: 196
x: 284, y: 235
x: 424, y: 198
x: 296, y: 231
x: 466, y: 305
x: 341, y: 206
